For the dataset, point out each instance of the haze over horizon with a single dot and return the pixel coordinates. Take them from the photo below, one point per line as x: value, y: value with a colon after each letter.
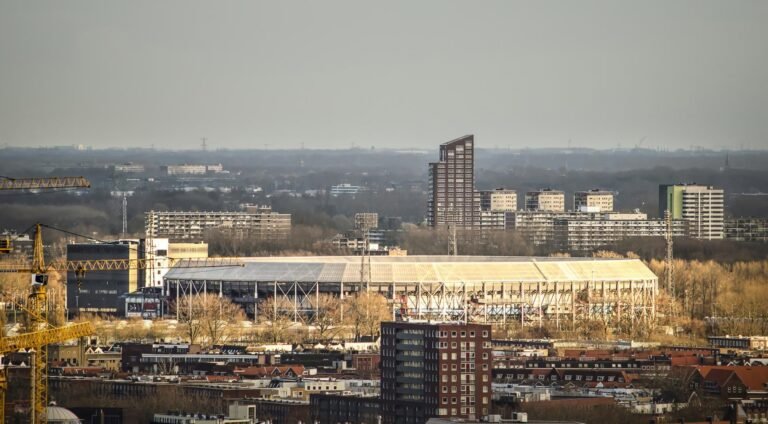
x: 400, y: 74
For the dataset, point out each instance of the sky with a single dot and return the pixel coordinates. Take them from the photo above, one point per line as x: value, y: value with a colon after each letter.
x: 398, y: 74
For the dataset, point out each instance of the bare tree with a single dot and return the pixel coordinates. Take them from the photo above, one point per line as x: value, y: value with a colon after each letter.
x: 364, y: 313
x: 208, y: 317
x: 327, y: 316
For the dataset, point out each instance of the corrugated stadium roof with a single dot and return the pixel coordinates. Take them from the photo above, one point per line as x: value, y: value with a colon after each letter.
x: 410, y: 269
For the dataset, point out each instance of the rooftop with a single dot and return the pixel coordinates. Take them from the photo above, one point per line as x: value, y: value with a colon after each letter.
x: 427, y: 269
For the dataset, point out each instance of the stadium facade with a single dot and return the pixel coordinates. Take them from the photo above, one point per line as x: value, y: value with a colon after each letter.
x: 465, y: 288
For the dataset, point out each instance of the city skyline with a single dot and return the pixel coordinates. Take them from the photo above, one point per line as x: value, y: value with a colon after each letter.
x: 255, y: 75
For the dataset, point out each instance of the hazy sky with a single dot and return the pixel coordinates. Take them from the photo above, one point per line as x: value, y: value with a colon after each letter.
x: 410, y: 73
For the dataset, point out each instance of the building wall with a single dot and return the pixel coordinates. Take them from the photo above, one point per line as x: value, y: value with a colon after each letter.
x: 702, y: 206
x: 597, y: 200
x: 588, y: 234
x: 100, y: 291
x: 183, y: 226
x: 452, y: 197
x: 545, y: 200
x: 188, y: 250
x: 746, y: 229
x: 498, y: 200
x: 445, y: 366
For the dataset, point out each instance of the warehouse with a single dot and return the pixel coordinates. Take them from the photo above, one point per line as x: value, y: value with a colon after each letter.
x: 474, y: 288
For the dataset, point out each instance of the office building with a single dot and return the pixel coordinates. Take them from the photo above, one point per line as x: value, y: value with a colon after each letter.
x: 99, y: 291
x: 700, y: 205
x: 446, y: 367
x: 194, y: 226
x: 366, y: 221
x: 747, y: 229
x: 593, y: 201
x: 545, y: 200
x: 498, y: 200
x: 452, y: 198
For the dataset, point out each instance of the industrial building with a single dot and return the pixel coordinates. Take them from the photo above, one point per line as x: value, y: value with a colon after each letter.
x: 545, y: 200
x: 98, y: 292
x: 193, y: 225
x: 472, y: 288
x: 452, y: 198
x: 595, y: 200
x: 701, y: 205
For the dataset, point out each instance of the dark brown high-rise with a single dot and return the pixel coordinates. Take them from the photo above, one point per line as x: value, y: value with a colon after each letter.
x: 443, y: 367
x: 453, y: 199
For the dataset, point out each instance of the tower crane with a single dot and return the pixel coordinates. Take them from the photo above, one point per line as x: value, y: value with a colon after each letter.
x: 8, y: 183
x: 37, y: 183
x: 37, y: 305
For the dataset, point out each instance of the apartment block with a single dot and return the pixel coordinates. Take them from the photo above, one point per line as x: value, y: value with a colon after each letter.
x: 595, y: 200
x: 538, y: 227
x: 702, y: 206
x: 498, y: 200
x: 747, y: 229
x: 452, y: 198
x: 588, y: 234
x: 194, y: 226
x: 545, y: 200
x: 446, y: 367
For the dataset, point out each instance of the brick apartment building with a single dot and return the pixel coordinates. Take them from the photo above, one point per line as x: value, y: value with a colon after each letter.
x: 446, y: 367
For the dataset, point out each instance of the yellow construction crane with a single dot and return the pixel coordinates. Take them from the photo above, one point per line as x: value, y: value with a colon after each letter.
x: 37, y: 341
x: 8, y: 183
x: 37, y: 183
x: 37, y: 303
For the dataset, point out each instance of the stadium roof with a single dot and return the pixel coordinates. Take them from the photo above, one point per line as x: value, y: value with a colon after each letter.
x: 427, y: 269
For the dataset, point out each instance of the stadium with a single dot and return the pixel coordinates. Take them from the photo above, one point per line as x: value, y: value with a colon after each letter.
x: 491, y: 289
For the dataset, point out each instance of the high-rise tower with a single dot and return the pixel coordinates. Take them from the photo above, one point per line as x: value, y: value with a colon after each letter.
x: 453, y: 199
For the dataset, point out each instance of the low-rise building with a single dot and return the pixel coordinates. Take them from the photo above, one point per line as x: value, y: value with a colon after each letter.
x: 189, y: 169
x: 746, y: 229
x: 739, y: 342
